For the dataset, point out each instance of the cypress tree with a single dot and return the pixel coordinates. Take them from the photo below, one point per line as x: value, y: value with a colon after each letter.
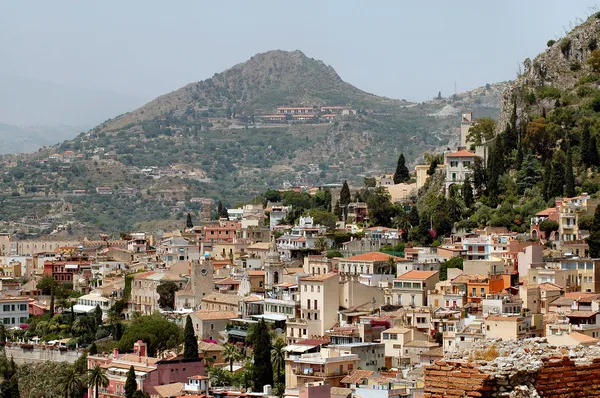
x: 586, y: 154
x: 97, y: 317
x: 594, y: 158
x: 93, y: 349
x: 593, y: 240
x: 263, y: 368
x: 337, y: 210
x: 188, y: 222
x: 547, y: 173
x: 479, y: 177
x: 190, y: 343
x: 51, y: 306
x: 345, y: 194
x: 496, y: 165
x: 557, y: 175
x: 467, y: 192
x: 569, y: 177
x: 401, y: 174
x: 413, y: 216
x: 130, y: 383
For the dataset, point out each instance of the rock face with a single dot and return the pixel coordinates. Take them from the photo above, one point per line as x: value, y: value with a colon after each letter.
x: 527, y: 368
x: 560, y: 65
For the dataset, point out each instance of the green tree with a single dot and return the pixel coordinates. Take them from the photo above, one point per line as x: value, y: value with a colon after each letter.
x: 413, y: 216
x: 593, y: 240
x: 586, y: 155
x: 548, y: 226
x: 432, y: 167
x: 51, y: 306
x: 263, y: 368
x: 97, y: 378
x: 539, y: 136
x: 231, y: 354
x: 272, y: 195
x: 467, y: 192
x: 337, y: 210
x: 594, y: 157
x: 97, y: 317
x: 345, y: 195
x: 93, y: 350
x: 321, y: 244
x: 188, y: 222
x: 594, y: 61
x: 323, y: 217
x: 569, y: 176
x: 322, y: 200
x: 557, y: 175
x: 529, y: 174
x: 496, y: 166
x: 278, y: 359
x: 46, y: 284
x: 130, y: 383
x: 219, y: 377
x: 481, y: 131
x: 166, y: 292
x: 479, y: 177
x: 454, y: 262
x: 70, y: 381
x: 401, y: 175
x: 153, y: 329
x: 381, y: 209
x: 221, y: 211
x: 190, y: 342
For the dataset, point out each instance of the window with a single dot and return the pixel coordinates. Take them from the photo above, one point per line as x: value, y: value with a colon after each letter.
x: 305, y: 288
x: 308, y: 303
x: 212, y: 326
x: 454, y: 164
x: 6, y: 307
x: 319, y: 289
x: 312, y: 288
x: 315, y: 304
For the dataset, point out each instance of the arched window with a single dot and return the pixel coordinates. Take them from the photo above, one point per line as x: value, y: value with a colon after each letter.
x: 275, y: 277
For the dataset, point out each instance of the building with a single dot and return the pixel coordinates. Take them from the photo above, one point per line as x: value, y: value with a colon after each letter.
x: 588, y: 273
x: 458, y: 166
x: 144, y: 297
x: 177, y: 249
x: 150, y: 372
x: 371, y: 355
x: 318, y: 369
x: 273, y: 266
x: 208, y: 323
x: 221, y: 302
x: 371, y: 263
x: 14, y: 311
x: 295, y: 110
x: 466, y: 122
x: 412, y: 288
x: 396, y: 338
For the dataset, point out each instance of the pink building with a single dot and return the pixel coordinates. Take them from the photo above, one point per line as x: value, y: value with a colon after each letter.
x: 150, y: 372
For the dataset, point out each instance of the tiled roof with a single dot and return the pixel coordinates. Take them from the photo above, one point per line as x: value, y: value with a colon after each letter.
x: 421, y: 344
x: 228, y: 281
x: 504, y: 318
x: 422, y: 275
x: 434, y: 352
x: 206, y: 346
x: 169, y: 390
x: 232, y: 299
x: 319, y: 278
x: 582, y: 338
x: 397, y: 329
x: 549, y: 286
x: 340, y: 391
x: 356, y: 376
x: 207, y: 315
x: 256, y: 273
x: 461, y: 154
x: 563, y: 302
x: 372, y: 256
x: 582, y: 314
x: 546, y: 212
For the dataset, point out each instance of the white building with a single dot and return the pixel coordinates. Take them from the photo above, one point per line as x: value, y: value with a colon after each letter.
x: 458, y: 166
x: 14, y: 311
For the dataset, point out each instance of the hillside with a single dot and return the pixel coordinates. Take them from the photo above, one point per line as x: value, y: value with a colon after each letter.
x: 222, y: 139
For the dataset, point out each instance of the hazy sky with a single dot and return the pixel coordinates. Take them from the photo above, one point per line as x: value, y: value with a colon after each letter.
x: 400, y: 49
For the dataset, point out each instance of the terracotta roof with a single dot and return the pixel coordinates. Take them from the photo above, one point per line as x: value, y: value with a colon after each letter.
x: 460, y: 154
x: 356, y: 376
x: 228, y: 281
x: 549, y: 286
x: 563, y: 302
x: 340, y: 390
x: 589, y: 299
x: 206, y: 346
x: 208, y: 315
x: 434, y: 352
x: 293, y: 270
x: 421, y: 344
x: 579, y: 295
x: 583, y: 339
x: 252, y: 298
x: 397, y: 329
x: 319, y: 278
x: 504, y: 318
x: 232, y: 299
x: 373, y: 256
x: 256, y: 273
x: 582, y: 314
x: 169, y: 390
x: 546, y: 212
x: 422, y: 275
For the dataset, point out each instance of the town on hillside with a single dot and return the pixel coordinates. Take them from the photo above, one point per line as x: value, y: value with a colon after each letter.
x: 329, y: 291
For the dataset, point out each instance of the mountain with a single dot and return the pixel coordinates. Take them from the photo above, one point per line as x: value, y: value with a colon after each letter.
x: 22, y: 139
x: 27, y: 101
x: 211, y: 139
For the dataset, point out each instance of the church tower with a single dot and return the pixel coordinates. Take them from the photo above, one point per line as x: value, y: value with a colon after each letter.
x: 202, y: 279
x: 273, y: 266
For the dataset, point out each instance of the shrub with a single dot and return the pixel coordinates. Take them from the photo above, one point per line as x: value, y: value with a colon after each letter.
x: 575, y: 66
x: 584, y: 91
x: 550, y: 43
x: 530, y: 98
x: 591, y: 78
x: 595, y: 104
x: 592, y: 44
x: 565, y: 47
x: 550, y: 92
x: 488, y: 354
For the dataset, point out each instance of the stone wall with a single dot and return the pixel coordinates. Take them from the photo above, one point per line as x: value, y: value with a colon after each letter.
x: 529, y: 368
x: 39, y: 354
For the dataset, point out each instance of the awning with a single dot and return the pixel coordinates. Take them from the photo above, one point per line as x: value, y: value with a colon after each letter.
x: 83, y: 309
x: 298, y: 348
x: 271, y: 317
x: 238, y: 333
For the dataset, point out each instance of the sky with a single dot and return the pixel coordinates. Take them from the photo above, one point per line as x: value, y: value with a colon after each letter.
x: 399, y: 49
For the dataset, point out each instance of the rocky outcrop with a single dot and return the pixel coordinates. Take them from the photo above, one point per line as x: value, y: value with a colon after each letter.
x: 560, y: 65
x: 528, y: 368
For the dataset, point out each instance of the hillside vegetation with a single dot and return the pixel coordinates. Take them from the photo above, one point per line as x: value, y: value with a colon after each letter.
x: 208, y: 139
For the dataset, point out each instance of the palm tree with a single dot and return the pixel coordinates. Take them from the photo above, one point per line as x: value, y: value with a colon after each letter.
x: 97, y: 379
x: 219, y: 377
x: 278, y: 357
x: 279, y: 390
x: 71, y: 382
x: 321, y: 244
x: 231, y: 354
